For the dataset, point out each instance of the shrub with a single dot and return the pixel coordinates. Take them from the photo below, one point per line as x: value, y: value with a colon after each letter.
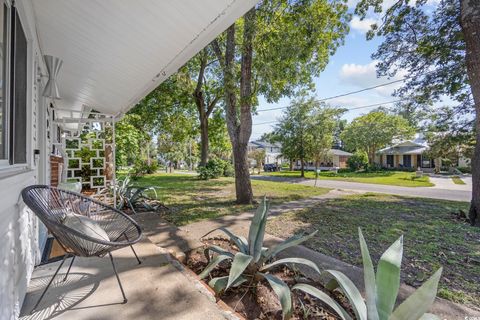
x: 403, y: 169
x: 131, y: 196
x: 357, y: 161
x: 141, y: 167
x: 465, y: 169
x: 213, y: 169
x: 381, y: 289
x: 228, y: 170
x: 253, y: 261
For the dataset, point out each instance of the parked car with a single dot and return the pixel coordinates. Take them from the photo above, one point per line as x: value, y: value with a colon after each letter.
x: 270, y: 167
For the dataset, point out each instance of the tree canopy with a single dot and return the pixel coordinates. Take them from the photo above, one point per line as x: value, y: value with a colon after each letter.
x: 277, y: 47
x: 438, y: 46
x: 374, y: 131
x: 307, y: 130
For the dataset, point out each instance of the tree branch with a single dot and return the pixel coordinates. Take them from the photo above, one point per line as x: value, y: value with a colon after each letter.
x: 218, y: 52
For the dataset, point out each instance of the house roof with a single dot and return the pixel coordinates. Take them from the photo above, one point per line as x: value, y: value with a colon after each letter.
x: 338, y: 152
x: 417, y: 145
x: 115, y: 52
x: 403, y: 150
x: 264, y: 144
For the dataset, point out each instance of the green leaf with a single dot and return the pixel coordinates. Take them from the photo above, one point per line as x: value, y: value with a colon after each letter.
x: 256, y: 232
x: 216, y: 249
x: 290, y: 242
x: 283, y: 293
x: 219, y: 284
x: 388, y: 278
x: 291, y: 260
x: 322, y: 296
x: 215, y: 261
x: 239, y: 242
x: 420, y: 301
x: 239, y: 264
x: 352, y: 293
x: 369, y: 279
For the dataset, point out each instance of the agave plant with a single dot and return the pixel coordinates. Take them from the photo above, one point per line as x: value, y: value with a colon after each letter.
x: 253, y: 261
x: 381, y: 289
x: 131, y: 196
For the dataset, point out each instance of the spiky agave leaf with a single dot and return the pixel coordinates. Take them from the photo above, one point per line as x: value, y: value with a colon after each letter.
x: 256, y: 233
x: 283, y: 293
x: 369, y: 279
x: 215, y: 261
x: 418, y: 303
x: 290, y: 242
x: 216, y: 249
x: 239, y: 241
x: 351, y: 292
x: 219, y: 284
x: 388, y: 278
x: 291, y: 261
x: 322, y: 296
x: 239, y: 264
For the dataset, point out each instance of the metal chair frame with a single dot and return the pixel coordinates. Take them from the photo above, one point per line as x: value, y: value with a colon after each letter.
x: 52, y: 205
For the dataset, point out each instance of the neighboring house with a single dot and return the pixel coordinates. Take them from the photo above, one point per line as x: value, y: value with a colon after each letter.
x: 411, y: 154
x: 273, y: 154
x: 114, y: 53
x: 334, y: 160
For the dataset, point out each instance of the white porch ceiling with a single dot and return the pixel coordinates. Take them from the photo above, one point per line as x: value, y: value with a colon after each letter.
x: 116, y: 51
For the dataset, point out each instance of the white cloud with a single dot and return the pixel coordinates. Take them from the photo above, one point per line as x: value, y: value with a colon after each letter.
x: 349, y: 101
x: 365, y: 75
x: 361, y: 26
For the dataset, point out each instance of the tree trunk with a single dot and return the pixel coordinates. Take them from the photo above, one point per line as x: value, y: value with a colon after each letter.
x: 239, y: 125
x: 470, y: 23
x: 202, y: 113
x: 302, y: 168
x: 291, y: 164
x: 204, y: 145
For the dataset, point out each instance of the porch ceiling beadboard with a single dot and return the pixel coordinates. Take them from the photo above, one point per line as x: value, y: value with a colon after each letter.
x: 116, y: 51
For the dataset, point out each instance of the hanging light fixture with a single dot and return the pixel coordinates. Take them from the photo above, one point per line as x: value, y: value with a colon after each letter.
x: 53, y: 67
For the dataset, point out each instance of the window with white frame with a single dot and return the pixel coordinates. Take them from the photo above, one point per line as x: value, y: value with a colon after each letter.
x: 13, y: 88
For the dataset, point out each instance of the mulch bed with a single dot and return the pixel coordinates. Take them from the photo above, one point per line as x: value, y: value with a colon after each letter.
x: 260, y: 301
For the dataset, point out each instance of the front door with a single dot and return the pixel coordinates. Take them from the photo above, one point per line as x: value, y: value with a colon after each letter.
x: 390, y: 161
x: 407, y: 160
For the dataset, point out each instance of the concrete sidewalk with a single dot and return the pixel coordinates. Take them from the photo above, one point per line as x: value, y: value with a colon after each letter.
x: 155, y: 289
x: 458, y: 194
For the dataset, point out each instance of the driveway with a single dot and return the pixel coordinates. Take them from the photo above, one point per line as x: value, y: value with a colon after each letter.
x: 459, y: 194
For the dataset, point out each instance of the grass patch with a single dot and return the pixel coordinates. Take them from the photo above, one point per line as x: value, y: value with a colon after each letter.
x: 433, y: 238
x: 457, y: 180
x: 192, y: 199
x: 393, y: 178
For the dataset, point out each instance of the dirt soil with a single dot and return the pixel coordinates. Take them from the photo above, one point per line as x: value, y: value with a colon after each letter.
x: 260, y: 301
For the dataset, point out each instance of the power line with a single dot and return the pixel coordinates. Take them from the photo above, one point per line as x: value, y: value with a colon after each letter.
x: 348, y: 109
x: 341, y: 95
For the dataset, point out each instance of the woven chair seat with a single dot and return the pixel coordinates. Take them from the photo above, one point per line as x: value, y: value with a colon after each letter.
x: 53, y: 206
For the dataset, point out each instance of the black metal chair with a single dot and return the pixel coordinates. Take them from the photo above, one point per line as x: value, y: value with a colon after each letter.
x: 54, y: 205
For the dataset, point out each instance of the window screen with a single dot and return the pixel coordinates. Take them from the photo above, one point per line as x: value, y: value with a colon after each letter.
x: 18, y: 119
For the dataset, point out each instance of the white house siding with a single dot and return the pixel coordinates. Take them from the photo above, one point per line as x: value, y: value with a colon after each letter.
x: 19, y: 228
x: 19, y: 235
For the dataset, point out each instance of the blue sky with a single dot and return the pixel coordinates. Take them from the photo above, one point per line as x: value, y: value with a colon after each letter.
x: 350, y: 69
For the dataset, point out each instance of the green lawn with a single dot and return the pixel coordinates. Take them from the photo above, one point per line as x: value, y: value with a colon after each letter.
x: 433, y: 237
x: 192, y: 199
x: 393, y: 178
x: 457, y: 180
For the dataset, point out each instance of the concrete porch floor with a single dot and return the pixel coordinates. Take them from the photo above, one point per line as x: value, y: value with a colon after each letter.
x: 155, y: 289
